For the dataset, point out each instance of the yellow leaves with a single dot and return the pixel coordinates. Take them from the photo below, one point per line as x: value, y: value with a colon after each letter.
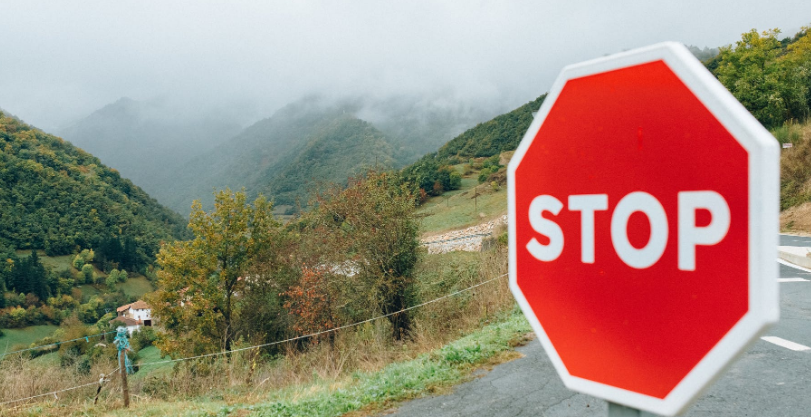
x: 205, y: 269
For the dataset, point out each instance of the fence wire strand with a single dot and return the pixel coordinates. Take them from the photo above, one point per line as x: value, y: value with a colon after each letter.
x: 292, y: 339
x: 57, y: 391
x: 346, y: 326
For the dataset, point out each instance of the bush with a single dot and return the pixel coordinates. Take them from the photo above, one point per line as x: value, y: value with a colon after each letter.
x: 455, y: 180
x: 144, y: 337
x: 87, y: 273
x: 83, y: 258
x: 484, y: 174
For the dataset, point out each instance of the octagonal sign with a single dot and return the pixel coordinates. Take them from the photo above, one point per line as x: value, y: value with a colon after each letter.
x: 643, y: 205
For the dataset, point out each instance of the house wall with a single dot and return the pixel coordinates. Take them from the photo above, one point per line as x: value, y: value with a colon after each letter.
x: 144, y: 314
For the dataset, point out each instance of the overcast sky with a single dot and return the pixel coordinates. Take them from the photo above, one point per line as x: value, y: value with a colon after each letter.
x: 63, y: 59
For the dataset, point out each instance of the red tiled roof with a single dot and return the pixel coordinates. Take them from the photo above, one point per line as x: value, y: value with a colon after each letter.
x: 138, y: 305
x: 127, y: 321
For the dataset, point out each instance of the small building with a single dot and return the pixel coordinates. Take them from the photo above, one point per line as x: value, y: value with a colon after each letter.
x: 134, y: 315
x: 131, y: 324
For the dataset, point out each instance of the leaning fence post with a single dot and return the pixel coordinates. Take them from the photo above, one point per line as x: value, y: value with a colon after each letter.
x: 124, y: 364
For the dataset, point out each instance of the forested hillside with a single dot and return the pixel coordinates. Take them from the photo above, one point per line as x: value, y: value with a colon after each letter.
x: 502, y: 133
x: 251, y: 159
x: 315, y: 140
x: 56, y: 197
x: 345, y: 147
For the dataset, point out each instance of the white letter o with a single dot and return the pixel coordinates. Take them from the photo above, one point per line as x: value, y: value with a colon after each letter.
x: 653, y: 250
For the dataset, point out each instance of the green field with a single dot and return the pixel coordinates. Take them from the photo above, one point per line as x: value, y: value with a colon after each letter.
x: 136, y: 286
x: 459, y: 208
x: 55, y: 263
x: 152, y: 354
x: 24, y: 336
x: 88, y: 291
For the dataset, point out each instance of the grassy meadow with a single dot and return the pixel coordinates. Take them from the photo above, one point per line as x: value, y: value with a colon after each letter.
x: 470, y: 205
x: 24, y: 336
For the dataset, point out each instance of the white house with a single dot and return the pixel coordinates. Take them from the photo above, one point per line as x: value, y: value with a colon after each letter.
x: 134, y: 315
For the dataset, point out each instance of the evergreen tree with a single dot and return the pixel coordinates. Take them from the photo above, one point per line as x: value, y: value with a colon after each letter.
x: 129, y: 257
x: 38, y: 276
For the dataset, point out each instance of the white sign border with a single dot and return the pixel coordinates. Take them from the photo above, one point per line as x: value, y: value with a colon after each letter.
x: 764, y: 177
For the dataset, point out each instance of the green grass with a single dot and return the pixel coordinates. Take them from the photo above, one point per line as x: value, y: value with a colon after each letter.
x: 55, y: 263
x: 136, y: 286
x: 88, y: 291
x: 399, y: 381
x: 458, y: 208
x: 24, y: 336
x: 152, y: 354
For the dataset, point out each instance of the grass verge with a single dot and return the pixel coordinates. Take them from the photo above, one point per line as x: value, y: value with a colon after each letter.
x: 366, y: 392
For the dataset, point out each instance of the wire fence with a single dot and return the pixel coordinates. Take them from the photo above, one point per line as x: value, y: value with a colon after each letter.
x: 292, y: 339
x: 306, y: 336
x: 99, y: 382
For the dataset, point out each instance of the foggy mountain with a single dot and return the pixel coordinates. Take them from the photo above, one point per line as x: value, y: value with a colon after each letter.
x: 314, y: 140
x: 146, y: 141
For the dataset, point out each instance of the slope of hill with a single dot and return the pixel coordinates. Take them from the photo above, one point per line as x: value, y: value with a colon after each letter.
x: 303, y: 144
x: 488, y: 139
x: 344, y: 147
x: 250, y: 159
x: 502, y: 133
x: 56, y: 197
x: 147, y: 141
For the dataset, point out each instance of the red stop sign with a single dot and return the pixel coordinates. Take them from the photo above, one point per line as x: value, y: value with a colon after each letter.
x: 643, y: 227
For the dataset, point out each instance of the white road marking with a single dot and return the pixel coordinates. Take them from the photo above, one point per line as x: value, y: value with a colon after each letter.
x: 785, y: 343
x: 795, y: 279
x: 792, y: 265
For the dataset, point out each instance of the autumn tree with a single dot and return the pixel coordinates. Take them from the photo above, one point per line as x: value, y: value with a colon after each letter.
x: 370, y: 230
x: 311, y: 302
x: 203, y: 281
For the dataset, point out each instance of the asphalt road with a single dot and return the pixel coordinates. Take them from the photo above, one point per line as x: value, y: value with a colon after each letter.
x: 768, y: 380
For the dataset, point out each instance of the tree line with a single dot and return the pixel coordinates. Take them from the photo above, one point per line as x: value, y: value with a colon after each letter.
x: 246, y: 277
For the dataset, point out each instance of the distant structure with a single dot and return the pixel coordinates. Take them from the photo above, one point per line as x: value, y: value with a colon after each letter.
x: 134, y: 315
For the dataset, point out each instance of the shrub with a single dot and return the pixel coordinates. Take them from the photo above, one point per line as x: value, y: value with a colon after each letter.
x: 87, y: 274
x: 455, y: 180
x: 484, y: 174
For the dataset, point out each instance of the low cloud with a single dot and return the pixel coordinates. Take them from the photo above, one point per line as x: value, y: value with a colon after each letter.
x: 63, y: 60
